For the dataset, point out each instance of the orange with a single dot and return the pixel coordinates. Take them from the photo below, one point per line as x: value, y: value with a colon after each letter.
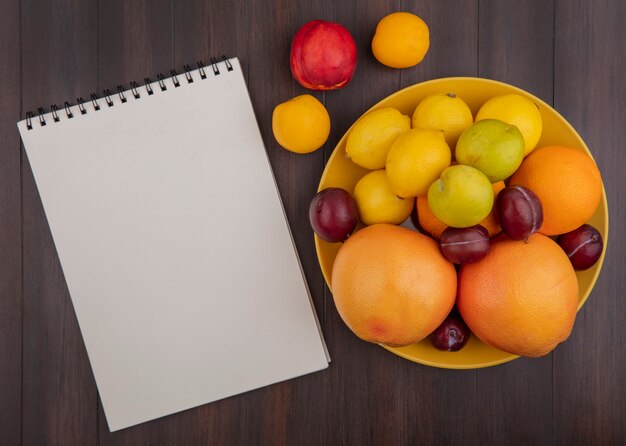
x: 435, y: 227
x: 427, y: 220
x: 392, y: 285
x: 568, y: 184
x: 301, y: 124
x: 491, y: 221
x: 522, y: 297
x: 401, y: 40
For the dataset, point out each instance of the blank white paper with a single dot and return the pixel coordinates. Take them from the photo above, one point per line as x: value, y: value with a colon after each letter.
x: 175, y: 247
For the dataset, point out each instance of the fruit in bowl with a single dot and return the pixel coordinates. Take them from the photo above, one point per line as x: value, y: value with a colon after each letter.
x: 522, y: 297
x: 452, y: 335
x: 519, y: 212
x: 493, y: 147
x: 428, y: 223
x: 465, y: 245
x: 583, y: 246
x: 392, y: 285
x: 376, y: 201
x: 518, y: 110
x: 415, y: 160
x: 568, y: 184
x: 445, y: 112
x: 486, y: 283
x: 462, y: 197
x: 333, y: 214
x: 372, y: 136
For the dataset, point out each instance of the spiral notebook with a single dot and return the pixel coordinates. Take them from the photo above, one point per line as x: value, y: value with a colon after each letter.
x: 173, y: 242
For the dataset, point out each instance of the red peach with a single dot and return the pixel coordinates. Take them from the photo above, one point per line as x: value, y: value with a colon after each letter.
x: 323, y: 55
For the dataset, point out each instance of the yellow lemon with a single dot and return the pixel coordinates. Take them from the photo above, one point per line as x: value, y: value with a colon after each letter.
x: 516, y: 110
x: 401, y: 40
x: 301, y: 124
x: 371, y: 137
x: 376, y: 201
x: 446, y: 112
x: 415, y: 160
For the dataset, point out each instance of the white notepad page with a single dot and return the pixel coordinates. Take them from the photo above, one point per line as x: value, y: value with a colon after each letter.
x: 175, y: 247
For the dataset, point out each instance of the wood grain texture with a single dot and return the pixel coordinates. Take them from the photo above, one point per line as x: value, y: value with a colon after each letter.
x: 59, y: 62
x: 515, y: 45
x: 569, y: 53
x: 10, y: 227
x: 590, y: 91
x: 265, y: 51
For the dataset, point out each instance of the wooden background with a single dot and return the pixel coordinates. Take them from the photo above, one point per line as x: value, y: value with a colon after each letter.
x: 571, y: 53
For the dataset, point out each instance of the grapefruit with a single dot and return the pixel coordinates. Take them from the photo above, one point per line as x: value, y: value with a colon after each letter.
x: 392, y: 285
x: 522, y: 297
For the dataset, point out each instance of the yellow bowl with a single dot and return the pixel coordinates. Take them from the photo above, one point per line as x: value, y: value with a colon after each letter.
x: 341, y: 172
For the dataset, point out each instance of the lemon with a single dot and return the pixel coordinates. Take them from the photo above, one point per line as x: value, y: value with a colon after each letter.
x: 301, y: 124
x: 376, y: 201
x: 401, y: 40
x: 446, y: 112
x: 516, y: 110
x: 372, y: 136
x: 415, y: 160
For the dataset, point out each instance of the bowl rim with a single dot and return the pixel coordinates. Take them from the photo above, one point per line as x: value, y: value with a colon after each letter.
x: 483, y: 80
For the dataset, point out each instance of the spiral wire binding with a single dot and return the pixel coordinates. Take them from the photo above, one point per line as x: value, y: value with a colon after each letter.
x: 147, y: 83
x: 229, y: 66
x: 120, y: 93
x: 68, y: 111
x: 188, y: 74
x: 107, y: 97
x: 41, y: 112
x: 216, y: 69
x: 201, y: 70
x: 94, y: 102
x: 134, y: 88
x: 175, y: 78
x: 161, y: 80
x: 55, y: 112
x: 81, y: 106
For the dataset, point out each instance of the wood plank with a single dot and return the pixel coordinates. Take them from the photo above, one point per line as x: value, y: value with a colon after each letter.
x: 590, y: 70
x: 59, y: 62
x: 275, y: 413
x: 10, y: 228
x: 451, y: 395
x: 453, y: 40
x: 211, y: 29
x: 516, y: 46
x: 134, y: 41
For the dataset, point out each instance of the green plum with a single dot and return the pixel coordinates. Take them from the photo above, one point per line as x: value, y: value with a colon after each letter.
x: 493, y: 147
x: 462, y: 197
